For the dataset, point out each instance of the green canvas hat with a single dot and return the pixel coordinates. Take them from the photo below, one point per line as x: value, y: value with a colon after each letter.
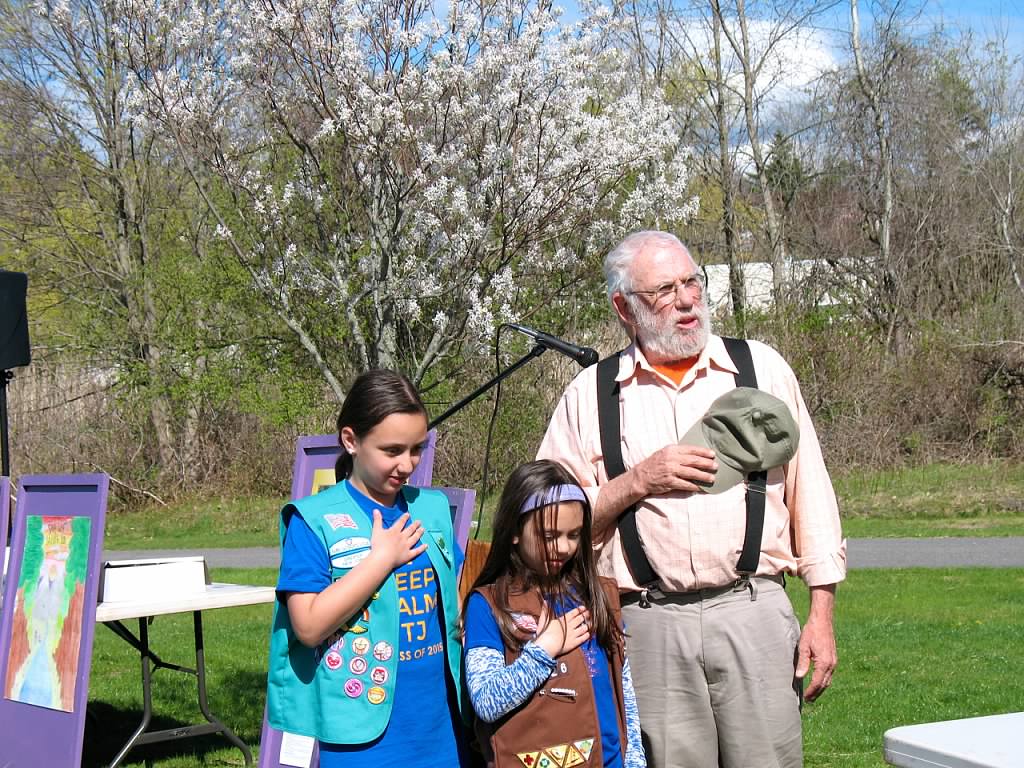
x: 749, y: 430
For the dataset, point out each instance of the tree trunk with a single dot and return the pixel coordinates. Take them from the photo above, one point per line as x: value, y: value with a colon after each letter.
x: 773, y: 224
x: 890, y: 283
x: 737, y: 287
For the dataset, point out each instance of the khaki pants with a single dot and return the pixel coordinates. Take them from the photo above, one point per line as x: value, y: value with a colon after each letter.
x: 714, y: 679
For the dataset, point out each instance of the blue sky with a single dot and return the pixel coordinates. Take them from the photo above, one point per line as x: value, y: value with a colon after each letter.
x: 985, y: 19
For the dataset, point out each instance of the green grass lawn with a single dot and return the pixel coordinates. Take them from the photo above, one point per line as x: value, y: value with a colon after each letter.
x: 915, y: 645
x: 937, y: 500
x: 210, y: 523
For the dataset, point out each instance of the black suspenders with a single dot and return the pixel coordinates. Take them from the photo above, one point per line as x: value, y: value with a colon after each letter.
x: 611, y: 447
x: 739, y: 351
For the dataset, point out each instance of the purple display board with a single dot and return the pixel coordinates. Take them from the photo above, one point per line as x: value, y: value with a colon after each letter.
x: 5, y: 508
x: 314, y: 469
x: 48, y: 618
x: 316, y: 455
x: 461, y: 501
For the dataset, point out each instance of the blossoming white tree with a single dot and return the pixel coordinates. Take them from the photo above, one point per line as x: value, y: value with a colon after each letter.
x: 390, y: 177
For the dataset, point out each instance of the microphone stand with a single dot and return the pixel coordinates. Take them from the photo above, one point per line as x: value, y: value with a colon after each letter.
x: 537, y: 351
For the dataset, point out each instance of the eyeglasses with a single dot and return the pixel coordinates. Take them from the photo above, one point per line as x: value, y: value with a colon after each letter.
x: 666, y: 293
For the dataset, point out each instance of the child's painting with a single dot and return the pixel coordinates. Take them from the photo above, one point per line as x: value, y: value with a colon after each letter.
x: 47, y: 626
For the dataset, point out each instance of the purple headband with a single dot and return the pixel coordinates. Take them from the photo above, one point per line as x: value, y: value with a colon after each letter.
x: 553, y: 495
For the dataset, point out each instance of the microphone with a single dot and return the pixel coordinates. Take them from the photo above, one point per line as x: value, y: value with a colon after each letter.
x: 585, y: 356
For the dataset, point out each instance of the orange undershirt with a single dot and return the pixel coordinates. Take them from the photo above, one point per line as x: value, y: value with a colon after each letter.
x: 675, y: 371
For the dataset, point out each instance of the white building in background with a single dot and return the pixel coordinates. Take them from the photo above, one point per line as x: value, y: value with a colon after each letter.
x: 809, y: 274
x: 757, y: 280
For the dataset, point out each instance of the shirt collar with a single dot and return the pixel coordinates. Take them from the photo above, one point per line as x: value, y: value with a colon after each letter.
x: 368, y: 505
x: 713, y: 354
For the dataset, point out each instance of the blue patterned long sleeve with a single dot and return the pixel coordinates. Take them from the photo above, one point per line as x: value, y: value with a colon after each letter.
x: 496, y: 689
x: 635, y: 757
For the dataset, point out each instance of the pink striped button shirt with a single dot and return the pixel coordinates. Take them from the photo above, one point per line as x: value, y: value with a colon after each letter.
x: 694, y: 539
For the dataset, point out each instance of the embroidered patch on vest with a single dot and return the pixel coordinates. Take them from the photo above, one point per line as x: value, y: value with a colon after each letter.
x: 341, y: 521
x: 379, y: 675
x: 585, y: 746
x: 361, y: 645
x: 351, y: 544
x: 347, y: 553
x: 357, y: 666
x: 382, y: 651
x: 353, y: 688
x: 573, y: 757
x: 376, y: 695
x: 559, y: 755
x: 353, y: 626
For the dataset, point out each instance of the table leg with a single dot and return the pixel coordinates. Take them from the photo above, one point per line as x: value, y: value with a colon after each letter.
x: 150, y: 662
x: 204, y: 707
x: 147, y: 693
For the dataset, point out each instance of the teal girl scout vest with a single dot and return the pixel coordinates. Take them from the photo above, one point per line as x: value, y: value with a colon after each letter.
x: 342, y: 691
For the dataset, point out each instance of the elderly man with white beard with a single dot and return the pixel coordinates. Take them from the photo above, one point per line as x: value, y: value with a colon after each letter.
x: 724, y: 491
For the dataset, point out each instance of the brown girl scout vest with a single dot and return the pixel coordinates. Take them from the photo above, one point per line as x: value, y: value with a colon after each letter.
x: 558, y: 726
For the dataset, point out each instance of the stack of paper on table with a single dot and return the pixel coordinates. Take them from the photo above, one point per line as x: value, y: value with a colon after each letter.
x: 153, y: 579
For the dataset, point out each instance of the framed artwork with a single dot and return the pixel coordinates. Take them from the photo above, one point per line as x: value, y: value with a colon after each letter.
x: 47, y: 621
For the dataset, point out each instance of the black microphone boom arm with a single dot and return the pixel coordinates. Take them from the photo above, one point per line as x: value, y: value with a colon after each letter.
x: 585, y: 356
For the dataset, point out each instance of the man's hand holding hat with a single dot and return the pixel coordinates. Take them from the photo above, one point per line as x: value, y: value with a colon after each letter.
x: 745, y: 430
x: 674, y: 469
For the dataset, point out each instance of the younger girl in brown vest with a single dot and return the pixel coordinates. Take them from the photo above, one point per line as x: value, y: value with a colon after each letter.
x: 544, y: 653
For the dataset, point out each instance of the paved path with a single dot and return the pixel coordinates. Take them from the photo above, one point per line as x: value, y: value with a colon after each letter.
x: 862, y: 553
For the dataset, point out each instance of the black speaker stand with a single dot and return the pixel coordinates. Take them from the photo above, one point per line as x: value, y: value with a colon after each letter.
x: 5, y: 448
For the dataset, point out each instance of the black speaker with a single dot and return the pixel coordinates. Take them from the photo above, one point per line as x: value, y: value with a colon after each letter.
x: 14, y: 348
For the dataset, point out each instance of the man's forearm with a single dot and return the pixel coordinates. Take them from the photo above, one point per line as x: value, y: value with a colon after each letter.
x: 615, y: 497
x: 822, y: 605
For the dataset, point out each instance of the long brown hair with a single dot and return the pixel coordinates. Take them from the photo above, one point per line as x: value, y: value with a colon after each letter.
x: 506, y: 570
x: 373, y: 397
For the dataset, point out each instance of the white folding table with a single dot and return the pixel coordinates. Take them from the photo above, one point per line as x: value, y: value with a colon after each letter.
x: 996, y: 741
x: 215, y: 596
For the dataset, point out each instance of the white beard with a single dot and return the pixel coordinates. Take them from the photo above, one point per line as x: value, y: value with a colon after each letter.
x: 660, y: 339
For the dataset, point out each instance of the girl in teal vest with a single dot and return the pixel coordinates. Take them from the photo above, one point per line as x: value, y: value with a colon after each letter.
x: 365, y: 653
